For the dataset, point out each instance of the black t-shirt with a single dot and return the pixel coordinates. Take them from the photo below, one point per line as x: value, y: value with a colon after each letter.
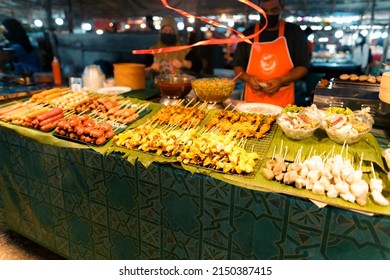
x: 296, y: 42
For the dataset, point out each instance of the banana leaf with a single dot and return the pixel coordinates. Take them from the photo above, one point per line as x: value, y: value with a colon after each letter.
x: 319, y: 141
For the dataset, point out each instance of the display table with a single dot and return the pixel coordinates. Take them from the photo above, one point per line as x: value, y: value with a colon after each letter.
x: 85, y: 205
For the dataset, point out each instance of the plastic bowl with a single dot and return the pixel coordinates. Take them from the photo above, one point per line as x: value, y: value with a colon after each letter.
x: 174, y: 86
x: 350, y: 132
x: 213, y: 89
x: 297, y: 127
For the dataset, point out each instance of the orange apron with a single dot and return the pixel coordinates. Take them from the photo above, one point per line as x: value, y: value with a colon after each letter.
x: 270, y: 60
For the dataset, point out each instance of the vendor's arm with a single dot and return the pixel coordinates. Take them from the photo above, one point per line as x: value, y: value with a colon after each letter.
x: 150, y: 65
x: 191, y: 62
x: 251, y: 80
x: 272, y: 86
x: 194, y: 62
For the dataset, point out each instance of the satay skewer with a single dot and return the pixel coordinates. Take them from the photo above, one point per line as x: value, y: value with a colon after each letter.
x: 188, y: 104
x: 228, y: 106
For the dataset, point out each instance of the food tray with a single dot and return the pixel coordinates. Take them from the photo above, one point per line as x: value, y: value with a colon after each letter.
x: 79, y: 141
x: 36, y: 129
x: 260, y: 146
x: 117, y: 127
x: 338, y: 81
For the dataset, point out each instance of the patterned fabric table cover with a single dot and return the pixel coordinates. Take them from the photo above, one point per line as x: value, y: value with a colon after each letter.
x: 83, y: 205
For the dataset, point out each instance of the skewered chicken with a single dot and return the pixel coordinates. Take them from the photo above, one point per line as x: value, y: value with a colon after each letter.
x: 216, y: 151
x: 242, y: 124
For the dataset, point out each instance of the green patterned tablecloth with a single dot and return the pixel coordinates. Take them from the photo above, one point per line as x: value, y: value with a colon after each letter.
x: 84, y: 205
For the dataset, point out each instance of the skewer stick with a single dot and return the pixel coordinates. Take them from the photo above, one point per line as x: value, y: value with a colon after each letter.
x: 273, y: 154
x: 68, y: 114
x: 326, y: 157
x: 83, y: 112
x: 373, y: 171
x: 143, y: 107
x: 228, y: 106
x: 281, y: 147
x: 330, y: 153
x: 342, y: 149
x: 361, y: 162
x: 298, y: 156
x: 311, y: 149
x: 204, y: 104
x: 180, y: 102
x: 188, y: 104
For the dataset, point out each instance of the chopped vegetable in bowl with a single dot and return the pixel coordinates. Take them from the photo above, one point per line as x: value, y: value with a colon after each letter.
x: 298, y: 123
x: 346, y: 126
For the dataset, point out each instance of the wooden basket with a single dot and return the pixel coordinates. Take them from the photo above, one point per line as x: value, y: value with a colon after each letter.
x: 130, y: 74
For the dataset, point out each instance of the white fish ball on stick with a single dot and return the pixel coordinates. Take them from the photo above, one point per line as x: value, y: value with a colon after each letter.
x: 379, y: 198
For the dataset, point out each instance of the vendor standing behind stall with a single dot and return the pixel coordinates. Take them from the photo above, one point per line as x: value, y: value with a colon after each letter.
x: 360, y: 54
x: 277, y: 58
x: 25, y: 58
x: 183, y: 61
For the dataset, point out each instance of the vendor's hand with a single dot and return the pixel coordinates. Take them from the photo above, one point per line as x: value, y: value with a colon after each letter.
x: 187, y: 64
x: 181, y: 64
x: 156, y: 67
x: 271, y: 86
x: 177, y: 64
x: 254, y: 83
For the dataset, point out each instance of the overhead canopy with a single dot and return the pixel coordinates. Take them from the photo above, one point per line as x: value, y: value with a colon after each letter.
x: 371, y: 11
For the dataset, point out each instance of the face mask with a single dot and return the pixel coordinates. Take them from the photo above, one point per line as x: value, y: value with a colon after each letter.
x: 359, y: 41
x: 168, y: 39
x: 272, y: 20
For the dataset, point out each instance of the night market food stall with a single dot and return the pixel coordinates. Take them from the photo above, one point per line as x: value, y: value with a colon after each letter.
x: 139, y: 201
x: 118, y: 177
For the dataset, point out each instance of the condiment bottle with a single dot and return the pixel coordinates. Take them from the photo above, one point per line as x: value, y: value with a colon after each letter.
x: 56, y: 68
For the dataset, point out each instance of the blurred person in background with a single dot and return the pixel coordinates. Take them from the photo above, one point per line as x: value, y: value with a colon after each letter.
x: 310, y: 44
x: 277, y: 58
x: 361, y: 55
x: 212, y: 55
x: 184, y: 61
x: 230, y: 48
x: 25, y: 58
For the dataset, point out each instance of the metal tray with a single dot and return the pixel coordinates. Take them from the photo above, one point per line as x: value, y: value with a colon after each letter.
x: 339, y: 82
